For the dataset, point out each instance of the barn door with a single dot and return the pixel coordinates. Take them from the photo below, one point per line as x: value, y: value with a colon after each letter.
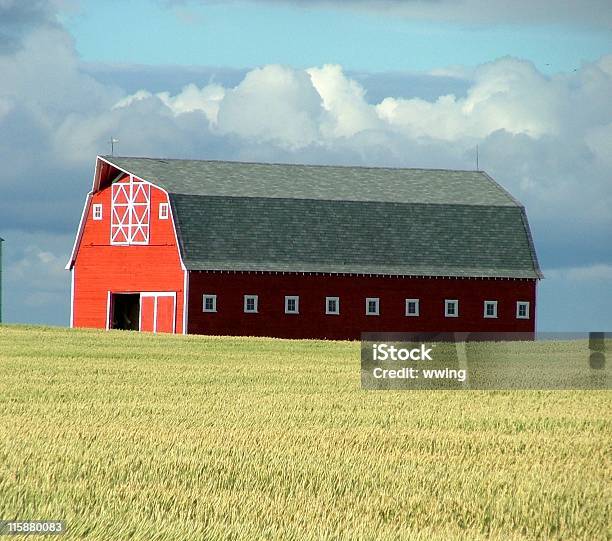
x: 158, y: 312
x: 130, y: 212
x: 165, y: 314
x: 147, y: 314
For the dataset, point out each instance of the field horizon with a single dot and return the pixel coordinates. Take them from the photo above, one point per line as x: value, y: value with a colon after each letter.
x: 132, y: 435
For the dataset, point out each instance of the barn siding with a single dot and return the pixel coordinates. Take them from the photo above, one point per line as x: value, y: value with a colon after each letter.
x: 312, y: 322
x: 101, y: 267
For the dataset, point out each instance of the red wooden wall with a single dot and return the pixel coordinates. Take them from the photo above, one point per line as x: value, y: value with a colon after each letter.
x: 312, y: 322
x: 101, y: 267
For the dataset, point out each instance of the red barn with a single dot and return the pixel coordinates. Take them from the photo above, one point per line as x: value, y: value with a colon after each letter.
x: 299, y: 251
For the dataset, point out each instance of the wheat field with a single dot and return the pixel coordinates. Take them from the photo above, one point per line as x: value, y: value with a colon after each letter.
x: 132, y: 436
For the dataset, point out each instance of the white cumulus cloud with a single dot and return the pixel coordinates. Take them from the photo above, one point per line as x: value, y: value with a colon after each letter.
x: 344, y: 100
x: 191, y: 98
x: 507, y: 94
x: 273, y: 104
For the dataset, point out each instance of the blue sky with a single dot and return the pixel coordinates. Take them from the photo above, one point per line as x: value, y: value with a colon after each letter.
x: 247, y: 34
x: 403, y: 83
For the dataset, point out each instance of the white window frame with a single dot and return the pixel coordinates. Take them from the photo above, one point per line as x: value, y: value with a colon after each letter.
x: 289, y: 298
x: 164, y: 211
x: 527, y: 306
x: 209, y: 296
x: 97, y: 212
x: 449, y: 302
x: 247, y: 298
x: 327, y: 310
x: 486, y: 305
x: 367, y: 306
x: 416, y: 305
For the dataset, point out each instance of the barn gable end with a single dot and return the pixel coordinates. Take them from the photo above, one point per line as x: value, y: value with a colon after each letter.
x: 125, y: 248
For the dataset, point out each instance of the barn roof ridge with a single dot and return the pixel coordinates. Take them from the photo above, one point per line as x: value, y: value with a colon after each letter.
x: 300, y: 164
x: 317, y: 182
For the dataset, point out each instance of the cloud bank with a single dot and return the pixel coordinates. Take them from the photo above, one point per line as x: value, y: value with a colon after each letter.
x: 545, y: 138
x: 586, y: 13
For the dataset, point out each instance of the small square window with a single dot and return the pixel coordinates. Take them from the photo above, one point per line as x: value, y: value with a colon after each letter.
x: 209, y: 303
x: 490, y: 309
x: 412, y: 307
x: 97, y: 211
x: 163, y: 211
x: 522, y: 310
x: 332, y: 305
x: 451, y: 308
x: 372, y: 306
x: 250, y: 304
x: 292, y: 304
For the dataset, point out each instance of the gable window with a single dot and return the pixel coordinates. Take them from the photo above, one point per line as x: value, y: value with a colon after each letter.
x: 163, y: 211
x: 250, y: 304
x: 209, y: 303
x: 97, y: 211
x: 412, y: 307
x: 522, y: 310
x: 130, y: 212
x: 451, y: 308
x: 332, y: 305
x: 372, y: 306
x: 292, y: 304
x: 490, y: 309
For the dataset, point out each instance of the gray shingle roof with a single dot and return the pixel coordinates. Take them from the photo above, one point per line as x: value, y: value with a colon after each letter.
x: 336, y: 183
x: 299, y: 218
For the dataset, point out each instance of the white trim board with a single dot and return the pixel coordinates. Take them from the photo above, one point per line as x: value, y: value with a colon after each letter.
x: 72, y: 270
x: 108, y: 309
x: 185, y: 298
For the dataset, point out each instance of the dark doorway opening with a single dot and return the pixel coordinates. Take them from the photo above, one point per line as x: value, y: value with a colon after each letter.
x: 126, y: 311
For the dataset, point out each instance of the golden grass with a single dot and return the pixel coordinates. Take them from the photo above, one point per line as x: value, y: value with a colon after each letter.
x: 126, y: 435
